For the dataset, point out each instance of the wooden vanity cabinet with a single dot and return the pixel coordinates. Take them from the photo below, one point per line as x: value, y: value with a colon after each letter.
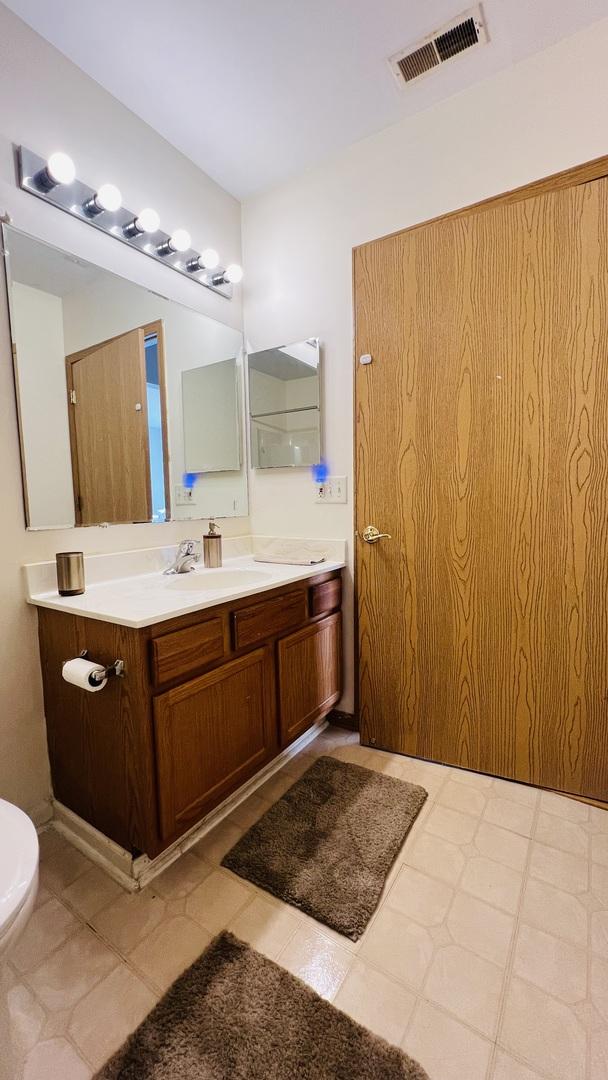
x: 206, y: 701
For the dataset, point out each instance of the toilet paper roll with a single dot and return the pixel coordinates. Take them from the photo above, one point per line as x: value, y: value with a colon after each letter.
x: 78, y: 671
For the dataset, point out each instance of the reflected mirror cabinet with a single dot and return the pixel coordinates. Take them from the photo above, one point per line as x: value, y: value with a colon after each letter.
x: 131, y: 406
x: 285, y: 405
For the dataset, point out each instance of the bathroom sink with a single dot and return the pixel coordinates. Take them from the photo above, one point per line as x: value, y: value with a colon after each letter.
x: 217, y: 580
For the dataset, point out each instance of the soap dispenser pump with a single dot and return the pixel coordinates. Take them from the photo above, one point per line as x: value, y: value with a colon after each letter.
x: 212, y: 545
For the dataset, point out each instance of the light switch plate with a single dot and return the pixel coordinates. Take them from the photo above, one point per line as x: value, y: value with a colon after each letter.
x: 184, y: 496
x: 333, y: 490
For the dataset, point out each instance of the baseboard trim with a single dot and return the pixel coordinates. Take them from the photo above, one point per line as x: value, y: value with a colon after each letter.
x: 135, y: 873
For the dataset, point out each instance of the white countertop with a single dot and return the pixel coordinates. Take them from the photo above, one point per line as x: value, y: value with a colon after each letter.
x: 140, y: 599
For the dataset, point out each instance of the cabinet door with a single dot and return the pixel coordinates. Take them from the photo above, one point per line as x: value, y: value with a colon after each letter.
x: 310, y: 675
x: 212, y: 734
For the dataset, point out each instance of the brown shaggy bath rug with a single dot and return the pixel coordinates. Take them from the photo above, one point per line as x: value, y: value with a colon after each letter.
x: 234, y: 1015
x: 328, y: 844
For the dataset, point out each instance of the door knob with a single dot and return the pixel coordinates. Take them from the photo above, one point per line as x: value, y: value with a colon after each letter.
x: 371, y: 535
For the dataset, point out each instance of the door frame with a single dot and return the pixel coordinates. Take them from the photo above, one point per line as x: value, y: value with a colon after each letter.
x: 157, y: 328
x: 566, y: 178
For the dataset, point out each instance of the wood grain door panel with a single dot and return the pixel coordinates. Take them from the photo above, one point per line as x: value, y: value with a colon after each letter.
x: 109, y: 431
x: 212, y: 734
x: 482, y: 447
x: 310, y: 675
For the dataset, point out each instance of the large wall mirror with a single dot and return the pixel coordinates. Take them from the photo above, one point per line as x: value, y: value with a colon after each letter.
x: 130, y: 405
x: 285, y: 405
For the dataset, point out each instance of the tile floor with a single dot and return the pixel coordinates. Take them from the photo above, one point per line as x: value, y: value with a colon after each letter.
x: 487, y: 958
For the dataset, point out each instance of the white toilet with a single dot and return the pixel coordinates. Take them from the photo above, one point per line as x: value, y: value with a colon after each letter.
x: 18, y: 887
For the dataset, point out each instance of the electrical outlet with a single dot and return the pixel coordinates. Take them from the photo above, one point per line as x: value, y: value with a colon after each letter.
x: 333, y: 490
x: 184, y: 496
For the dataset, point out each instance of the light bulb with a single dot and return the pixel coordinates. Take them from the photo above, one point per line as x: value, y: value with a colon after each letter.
x: 108, y: 197
x: 147, y: 220
x: 209, y: 259
x: 61, y: 168
x: 233, y: 273
x: 180, y: 240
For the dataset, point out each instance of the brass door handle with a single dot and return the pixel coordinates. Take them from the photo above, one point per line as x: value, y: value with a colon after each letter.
x: 371, y: 535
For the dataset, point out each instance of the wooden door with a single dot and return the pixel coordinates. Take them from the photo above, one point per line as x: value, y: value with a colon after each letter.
x: 212, y: 734
x: 482, y: 448
x: 109, y: 431
x: 310, y: 675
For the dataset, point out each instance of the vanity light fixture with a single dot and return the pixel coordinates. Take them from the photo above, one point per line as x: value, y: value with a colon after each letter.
x: 180, y: 241
x: 107, y: 198
x: 207, y: 260
x: 147, y: 221
x: 231, y: 275
x: 54, y: 181
x: 59, y: 169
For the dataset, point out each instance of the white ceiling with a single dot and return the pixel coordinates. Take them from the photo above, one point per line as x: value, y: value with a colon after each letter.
x: 254, y: 91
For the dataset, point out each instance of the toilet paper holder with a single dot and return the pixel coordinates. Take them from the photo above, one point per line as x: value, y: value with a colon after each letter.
x: 117, y: 668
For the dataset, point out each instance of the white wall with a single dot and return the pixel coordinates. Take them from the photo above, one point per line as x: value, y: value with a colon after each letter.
x: 45, y: 438
x: 47, y: 103
x: 543, y: 115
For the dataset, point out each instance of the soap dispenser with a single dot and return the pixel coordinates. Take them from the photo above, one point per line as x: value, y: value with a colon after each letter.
x: 212, y: 545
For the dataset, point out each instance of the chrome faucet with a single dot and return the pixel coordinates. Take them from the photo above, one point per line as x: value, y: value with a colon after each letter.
x: 188, y: 553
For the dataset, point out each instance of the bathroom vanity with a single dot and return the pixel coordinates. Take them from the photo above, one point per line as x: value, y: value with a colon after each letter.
x: 209, y: 695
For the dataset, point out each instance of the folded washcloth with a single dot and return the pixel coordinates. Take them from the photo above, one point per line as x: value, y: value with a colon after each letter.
x: 294, y: 552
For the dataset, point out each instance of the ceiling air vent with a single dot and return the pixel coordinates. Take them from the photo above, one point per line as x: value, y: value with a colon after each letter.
x: 460, y: 34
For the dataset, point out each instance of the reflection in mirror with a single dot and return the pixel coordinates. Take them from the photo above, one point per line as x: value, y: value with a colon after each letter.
x: 284, y: 405
x: 120, y: 394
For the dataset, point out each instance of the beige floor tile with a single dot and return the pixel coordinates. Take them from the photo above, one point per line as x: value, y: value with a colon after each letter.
x: 42, y: 895
x: 510, y: 815
x: 554, y: 965
x: 266, y: 926
x: 215, y: 902
x: 467, y: 986
x: 493, y: 882
x: 317, y: 960
x: 462, y: 797
x: 399, y: 946
x: 502, y: 846
x: 297, y: 765
x: 217, y: 843
x: 60, y: 862
x: 422, y: 898
x: 357, y: 755
x: 472, y: 779
x: 55, y: 1059
x: 543, y: 1032
x: 598, y: 1065
x: 169, y: 950
x: 599, y: 986
x: 424, y: 773
x: 598, y: 819
x: 451, y: 824
x: 182, y: 877
x: 275, y: 786
x: 110, y: 1012
x: 250, y: 810
x: 444, y: 1047
x: 559, y: 833
x: 378, y: 1002
x: 555, y: 911
x: 48, y: 928
x: 129, y: 919
x: 559, y: 868
x: 507, y: 1068
x: 481, y: 928
x: 560, y: 806
x: 72, y: 970
x: 91, y: 892
x: 525, y: 794
x: 599, y: 882
x: 27, y: 1019
x: 436, y: 857
x: 599, y: 933
x: 599, y: 848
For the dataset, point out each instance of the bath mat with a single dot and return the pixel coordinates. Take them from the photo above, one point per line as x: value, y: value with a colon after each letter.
x: 328, y: 844
x: 234, y: 1015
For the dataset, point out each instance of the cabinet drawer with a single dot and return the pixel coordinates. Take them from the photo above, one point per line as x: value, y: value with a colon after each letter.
x: 268, y: 618
x: 326, y: 597
x: 186, y: 651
